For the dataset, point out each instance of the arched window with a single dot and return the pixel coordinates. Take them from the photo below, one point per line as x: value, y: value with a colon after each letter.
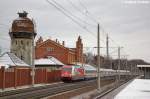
x: 22, y: 58
x: 16, y: 42
x: 21, y: 42
x: 27, y: 42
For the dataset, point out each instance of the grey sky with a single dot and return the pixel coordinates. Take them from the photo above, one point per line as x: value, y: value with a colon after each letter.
x: 128, y: 24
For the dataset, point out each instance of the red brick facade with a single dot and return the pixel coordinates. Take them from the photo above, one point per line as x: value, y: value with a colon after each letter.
x: 66, y: 55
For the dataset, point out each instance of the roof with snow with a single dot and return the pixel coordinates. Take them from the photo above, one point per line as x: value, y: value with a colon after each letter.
x: 143, y: 65
x: 88, y: 67
x: 137, y: 89
x: 48, y: 61
x: 10, y: 59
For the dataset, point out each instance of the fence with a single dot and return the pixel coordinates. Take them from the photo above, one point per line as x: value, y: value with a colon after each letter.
x: 15, y: 77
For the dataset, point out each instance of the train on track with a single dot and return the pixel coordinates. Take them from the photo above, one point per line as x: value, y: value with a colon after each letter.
x: 85, y: 72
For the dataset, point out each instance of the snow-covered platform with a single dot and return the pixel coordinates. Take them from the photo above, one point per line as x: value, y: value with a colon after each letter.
x: 137, y: 89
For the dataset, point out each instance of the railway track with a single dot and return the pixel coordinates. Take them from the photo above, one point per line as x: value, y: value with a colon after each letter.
x: 52, y: 90
x: 47, y: 91
x: 78, y: 91
x: 18, y: 91
x: 103, y: 93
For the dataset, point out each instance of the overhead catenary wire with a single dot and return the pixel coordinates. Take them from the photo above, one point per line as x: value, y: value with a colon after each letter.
x: 89, y: 13
x: 83, y: 13
x: 4, y: 26
x: 1, y: 24
x: 83, y: 5
x: 78, y: 18
x: 102, y: 29
x: 105, y: 33
x: 92, y: 18
x: 66, y: 14
x: 54, y: 5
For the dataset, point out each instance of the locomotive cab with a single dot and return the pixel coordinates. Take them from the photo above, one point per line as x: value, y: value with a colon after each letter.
x: 72, y: 72
x: 66, y: 73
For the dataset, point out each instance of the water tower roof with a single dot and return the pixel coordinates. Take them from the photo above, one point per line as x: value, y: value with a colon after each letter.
x: 22, y: 23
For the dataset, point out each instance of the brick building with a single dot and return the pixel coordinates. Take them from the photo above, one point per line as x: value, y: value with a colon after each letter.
x: 43, y: 49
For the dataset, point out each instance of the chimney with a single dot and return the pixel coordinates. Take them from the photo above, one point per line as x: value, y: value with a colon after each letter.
x: 56, y: 40
x: 63, y: 43
x: 39, y: 41
x: 50, y: 37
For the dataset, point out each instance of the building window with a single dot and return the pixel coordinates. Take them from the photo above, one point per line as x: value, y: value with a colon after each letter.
x: 49, y: 49
x: 21, y: 42
x: 16, y: 42
x: 22, y: 58
x: 27, y: 43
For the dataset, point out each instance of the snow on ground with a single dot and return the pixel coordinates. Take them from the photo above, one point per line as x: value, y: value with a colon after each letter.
x: 137, y: 89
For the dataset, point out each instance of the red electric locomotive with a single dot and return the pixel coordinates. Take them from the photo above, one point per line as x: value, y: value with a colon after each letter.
x: 73, y: 72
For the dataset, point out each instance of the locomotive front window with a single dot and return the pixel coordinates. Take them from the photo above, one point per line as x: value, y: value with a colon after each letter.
x: 67, y: 69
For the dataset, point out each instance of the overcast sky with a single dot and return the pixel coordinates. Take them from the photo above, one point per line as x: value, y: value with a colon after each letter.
x: 126, y: 21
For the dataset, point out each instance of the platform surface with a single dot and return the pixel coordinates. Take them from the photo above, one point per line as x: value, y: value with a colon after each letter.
x: 137, y: 89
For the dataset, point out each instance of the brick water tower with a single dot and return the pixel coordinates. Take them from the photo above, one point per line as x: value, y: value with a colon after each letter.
x: 22, y: 35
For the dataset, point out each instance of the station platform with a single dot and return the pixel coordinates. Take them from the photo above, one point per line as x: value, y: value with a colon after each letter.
x: 137, y: 89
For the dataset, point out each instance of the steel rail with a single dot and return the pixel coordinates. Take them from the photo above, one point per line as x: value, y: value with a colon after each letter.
x: 36, y: 94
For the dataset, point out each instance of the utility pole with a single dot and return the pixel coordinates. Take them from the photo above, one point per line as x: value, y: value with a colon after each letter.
x: 119, y: 63
x: 126, y: 64
x: 107, y: 47
x: 108, y: 63
x: 33, y: 65
x: 98, y: 58
x: 131, y: 69
x: 0, y: 50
